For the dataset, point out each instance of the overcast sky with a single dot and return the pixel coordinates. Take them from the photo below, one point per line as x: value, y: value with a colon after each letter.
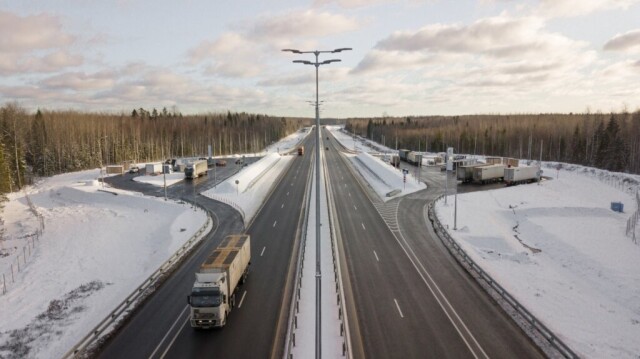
x: 413, y: 57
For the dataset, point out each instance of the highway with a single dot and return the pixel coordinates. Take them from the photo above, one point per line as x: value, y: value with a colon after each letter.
x: 257, y: 327
x: 410, y: 298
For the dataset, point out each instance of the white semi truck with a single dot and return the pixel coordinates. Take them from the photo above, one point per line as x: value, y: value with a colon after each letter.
x: 488, y: 173
x: 213, y: 294
x: 196, y: 169
x: 523, y: 174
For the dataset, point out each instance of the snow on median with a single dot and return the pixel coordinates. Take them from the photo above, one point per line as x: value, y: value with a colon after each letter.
x: 560, y: 250
x: 385, y: 180
x: 247, y: 190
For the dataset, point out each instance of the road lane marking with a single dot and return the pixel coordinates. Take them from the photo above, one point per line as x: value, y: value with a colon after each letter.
x: 398, y: 306
x: 174, y: 339
x: 242, y: 299
x: 363, y: 226
x: 354, y: 206
x: 376, y: 254
x: 282, y: 206
x: 287, y: 193
x: 274, y: 224
x: 349, y: 194
x: 261, y: 253
x: 169, y: 331
x: 291, y: 184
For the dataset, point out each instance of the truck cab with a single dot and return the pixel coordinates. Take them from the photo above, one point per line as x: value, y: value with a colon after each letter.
x: 209, y: 301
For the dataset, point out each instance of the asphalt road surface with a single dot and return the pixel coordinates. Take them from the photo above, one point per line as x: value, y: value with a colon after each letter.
x: 410, y: 297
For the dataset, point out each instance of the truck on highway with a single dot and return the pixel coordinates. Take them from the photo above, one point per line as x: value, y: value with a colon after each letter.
x: 196, y: 169
x: 213, y: 295
x: 300, y: 150
x: 488, y: 173
x: 517, y: 175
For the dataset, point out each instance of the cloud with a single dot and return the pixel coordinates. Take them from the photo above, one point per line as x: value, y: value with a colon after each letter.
x: 628, y: 41
x: 350, y: 4
x: 11, y: 64
x: 500, y: 37
x: 385, y: 61
x: 296, y: 24
x: 571, y: 8
x: 79, y: 81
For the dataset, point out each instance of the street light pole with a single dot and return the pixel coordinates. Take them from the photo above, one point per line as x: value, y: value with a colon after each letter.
x: 317, y: 64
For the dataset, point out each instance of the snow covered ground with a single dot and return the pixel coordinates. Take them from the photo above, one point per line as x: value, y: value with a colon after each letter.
x: 387, y: 181
x: 76, y: 272
x: 158, y: 180
x: 562, y: 252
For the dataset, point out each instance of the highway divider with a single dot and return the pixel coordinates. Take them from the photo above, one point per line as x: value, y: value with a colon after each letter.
x: 135, y: 298
x: 459, y: 253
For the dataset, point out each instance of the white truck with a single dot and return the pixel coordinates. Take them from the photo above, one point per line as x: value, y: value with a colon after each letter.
x: 196, y: 169
x: 524, y: 174
x: 213, y: 294
x: 414, y: 158
x: 488, y: 173
x: 464, y: 173
x: 152, y: 168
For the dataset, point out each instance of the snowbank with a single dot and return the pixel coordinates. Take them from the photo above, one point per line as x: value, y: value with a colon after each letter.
x: 559, y: 249
x: 254, y: 184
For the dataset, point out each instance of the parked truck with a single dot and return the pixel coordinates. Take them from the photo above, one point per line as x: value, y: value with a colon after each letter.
x: 213, y: 295
x: 300, y: 150
x: 403, y: 154
x: 488, y: 173
x: 517, y: 175
x: 464, y: 173
x: 414, y: 158
x: 395, y: 161
x: 196, y: 169
x: 153, y: 168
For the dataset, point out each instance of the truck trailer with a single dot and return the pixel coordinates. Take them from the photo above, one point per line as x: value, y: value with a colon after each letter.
x: 488, y: 173
x: 403, y: 154
x: 153, y: 168
x: 414, y: 158
x: 213, y: 295
x: 517, y: 175
x: 464, y: 173
x: 300, y: 150
x: 196, y: 169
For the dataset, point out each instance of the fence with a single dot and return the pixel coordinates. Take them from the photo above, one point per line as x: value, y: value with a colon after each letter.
x: 632, y: 222
x: 27, y: 250
x: 536, y: 324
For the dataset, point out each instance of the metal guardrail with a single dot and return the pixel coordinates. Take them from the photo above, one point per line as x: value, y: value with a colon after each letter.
x: 535, y: 323
x: 342, y: 312
x: 632, y: 222
x: 132, y: 300
x: 293, y: 318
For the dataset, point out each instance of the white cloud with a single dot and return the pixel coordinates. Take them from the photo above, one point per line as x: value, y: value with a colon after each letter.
x: 628, y: 41
x: 352, y: 3
x: 79, y: 81
x: 571, y: 8
x: 11, y: 64
x: 296, y: 24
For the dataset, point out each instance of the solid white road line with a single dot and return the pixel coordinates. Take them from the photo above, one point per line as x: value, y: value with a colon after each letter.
x: 169, y: 331
x: 376, y: 254
x: 282, y: 206
x: 261, y: 253
x: 242, y: 299
x: 354, y: 206
x: 363, y: 226
x: 287, y: 193
x: 398, y: 306
x: 274, y: 224
x: 174, y: 339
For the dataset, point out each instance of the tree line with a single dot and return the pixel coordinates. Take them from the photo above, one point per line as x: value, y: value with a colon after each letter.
x: 606, y: 141
x: 52, y: 142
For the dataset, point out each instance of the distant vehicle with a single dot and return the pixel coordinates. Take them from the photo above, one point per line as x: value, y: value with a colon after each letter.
x: 488, y: 173
x: 300, y: 150
x: 153, y: 168
x: 395, y: 161
x: 196, y: 169
x: 403, y: 154
x: 134, y: 169
x: 221, y: 163
x: 464, y: 173
x: 213, y: 294
x: 517, y: 175
x: 414, y: 158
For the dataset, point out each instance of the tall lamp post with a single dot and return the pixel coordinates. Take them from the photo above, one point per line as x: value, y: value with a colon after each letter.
x: 317, y: 64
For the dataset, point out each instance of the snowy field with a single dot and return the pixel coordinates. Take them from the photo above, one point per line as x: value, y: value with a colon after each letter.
x: 562, y: 252
x: 77, y: 271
